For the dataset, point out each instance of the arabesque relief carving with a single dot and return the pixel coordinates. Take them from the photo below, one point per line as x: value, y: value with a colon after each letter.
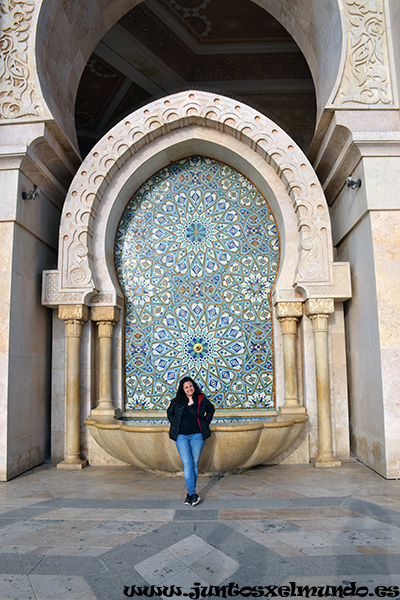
x: 367, y: 73
x: 17, y: 98
x: 178, y: 111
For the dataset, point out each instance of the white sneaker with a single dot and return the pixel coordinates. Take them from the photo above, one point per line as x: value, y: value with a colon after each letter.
x: 195, y: 499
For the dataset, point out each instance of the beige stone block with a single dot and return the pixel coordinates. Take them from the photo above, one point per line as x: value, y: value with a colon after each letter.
x: 104, y: 313
x: 390, y: 361
x: 58, y: 358
x: 369, y: 449
x: 58, y: 332
x: 8, y: 195
x: 386, y: 235
x: 4, y: 373
x: 26, y: 453
x: 71, y: 312
x: 30, y: 414
x: 39, y: 217
x: 289, y: 309
x: 381, y: 176
x: 366, y: 393
x: 299, y: 454
x: 388, y: 300
x: 392, y: 448
x: 319, y: 306
x: 99, y: 458
x: 58, y: 415
x: 57, y: 446
x: 3, y: 464
x: 57, y: 387
x: 30, y: 322
x: 6, y: 251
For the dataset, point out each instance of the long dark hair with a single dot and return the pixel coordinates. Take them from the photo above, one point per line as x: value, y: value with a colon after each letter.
x: 181, y: 397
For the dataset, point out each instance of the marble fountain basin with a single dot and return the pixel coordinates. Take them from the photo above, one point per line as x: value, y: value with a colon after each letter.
x: 234, y: 444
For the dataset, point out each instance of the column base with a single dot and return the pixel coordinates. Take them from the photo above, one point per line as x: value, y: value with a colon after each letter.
x: 72, y: 464
x: 297, y: 409
x: 106, y: 411
x: 327, y: 463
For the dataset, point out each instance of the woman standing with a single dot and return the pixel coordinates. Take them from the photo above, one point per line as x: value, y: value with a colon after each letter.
x: 190, y: 415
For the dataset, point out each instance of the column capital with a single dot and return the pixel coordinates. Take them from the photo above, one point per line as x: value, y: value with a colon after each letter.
x: 289, y: 325
x: 319, y: 306
x: 73, y: 328
x: 289, y: 309
x: 104, y: 314
x: 319, y: 322
x: 73, y: 312
x: 105, y: 328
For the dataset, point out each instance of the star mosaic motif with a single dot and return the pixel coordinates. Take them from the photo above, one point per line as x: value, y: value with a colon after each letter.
x: 256, y: 288
x: 196, y: 232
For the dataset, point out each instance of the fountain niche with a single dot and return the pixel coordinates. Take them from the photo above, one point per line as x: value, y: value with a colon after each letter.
x: 197, y: 253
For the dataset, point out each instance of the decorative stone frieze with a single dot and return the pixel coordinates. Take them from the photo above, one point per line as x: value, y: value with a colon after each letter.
x: 18, y: 97
x: 52, y: 295
x: 338, y: 289
x: 367, y: 80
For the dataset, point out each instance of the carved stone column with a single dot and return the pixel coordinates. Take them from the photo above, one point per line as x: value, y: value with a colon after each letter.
x: 105, y: 317
x: 319, y: 310
x: 288, y: 314
x: 74, y: 317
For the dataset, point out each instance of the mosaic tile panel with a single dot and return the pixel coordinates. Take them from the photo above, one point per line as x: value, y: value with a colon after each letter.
x: 216, y: 420
x: 197, y: 253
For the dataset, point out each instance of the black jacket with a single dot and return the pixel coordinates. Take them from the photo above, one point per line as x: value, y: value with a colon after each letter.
x: 205, y: 414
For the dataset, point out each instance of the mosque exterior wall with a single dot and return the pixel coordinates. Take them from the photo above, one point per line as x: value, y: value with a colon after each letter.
x: 357, y: 135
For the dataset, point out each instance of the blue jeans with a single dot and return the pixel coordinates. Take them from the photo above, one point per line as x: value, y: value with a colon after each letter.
x: 189, y: 448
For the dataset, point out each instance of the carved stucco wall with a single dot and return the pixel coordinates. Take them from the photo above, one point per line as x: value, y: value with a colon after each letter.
x: 19, y: 95
x: 76, y: 275
x: 367, y: 78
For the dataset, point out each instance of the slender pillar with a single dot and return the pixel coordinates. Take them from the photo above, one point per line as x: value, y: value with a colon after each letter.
x: 105, y: 317
x: 319, y: 310
x: 74, y: 317
x: 288, y: 314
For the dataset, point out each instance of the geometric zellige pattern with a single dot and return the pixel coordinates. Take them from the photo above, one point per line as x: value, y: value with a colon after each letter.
x: 197, y: 254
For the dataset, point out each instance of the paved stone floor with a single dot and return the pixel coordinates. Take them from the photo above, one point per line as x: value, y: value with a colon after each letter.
x: 96, y: 533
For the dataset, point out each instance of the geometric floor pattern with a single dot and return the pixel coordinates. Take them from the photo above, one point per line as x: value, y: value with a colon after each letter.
x: 103, y: 533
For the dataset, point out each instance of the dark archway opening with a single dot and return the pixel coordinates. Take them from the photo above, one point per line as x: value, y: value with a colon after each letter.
x: 231, y: 47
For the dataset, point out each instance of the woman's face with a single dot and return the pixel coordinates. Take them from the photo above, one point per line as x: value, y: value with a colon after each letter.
x: 188, y: 388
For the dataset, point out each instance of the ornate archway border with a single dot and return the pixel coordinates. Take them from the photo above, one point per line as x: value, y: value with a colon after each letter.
x: 73, y: 282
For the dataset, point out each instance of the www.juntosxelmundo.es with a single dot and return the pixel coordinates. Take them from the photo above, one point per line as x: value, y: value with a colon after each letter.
x: 349, y: 589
